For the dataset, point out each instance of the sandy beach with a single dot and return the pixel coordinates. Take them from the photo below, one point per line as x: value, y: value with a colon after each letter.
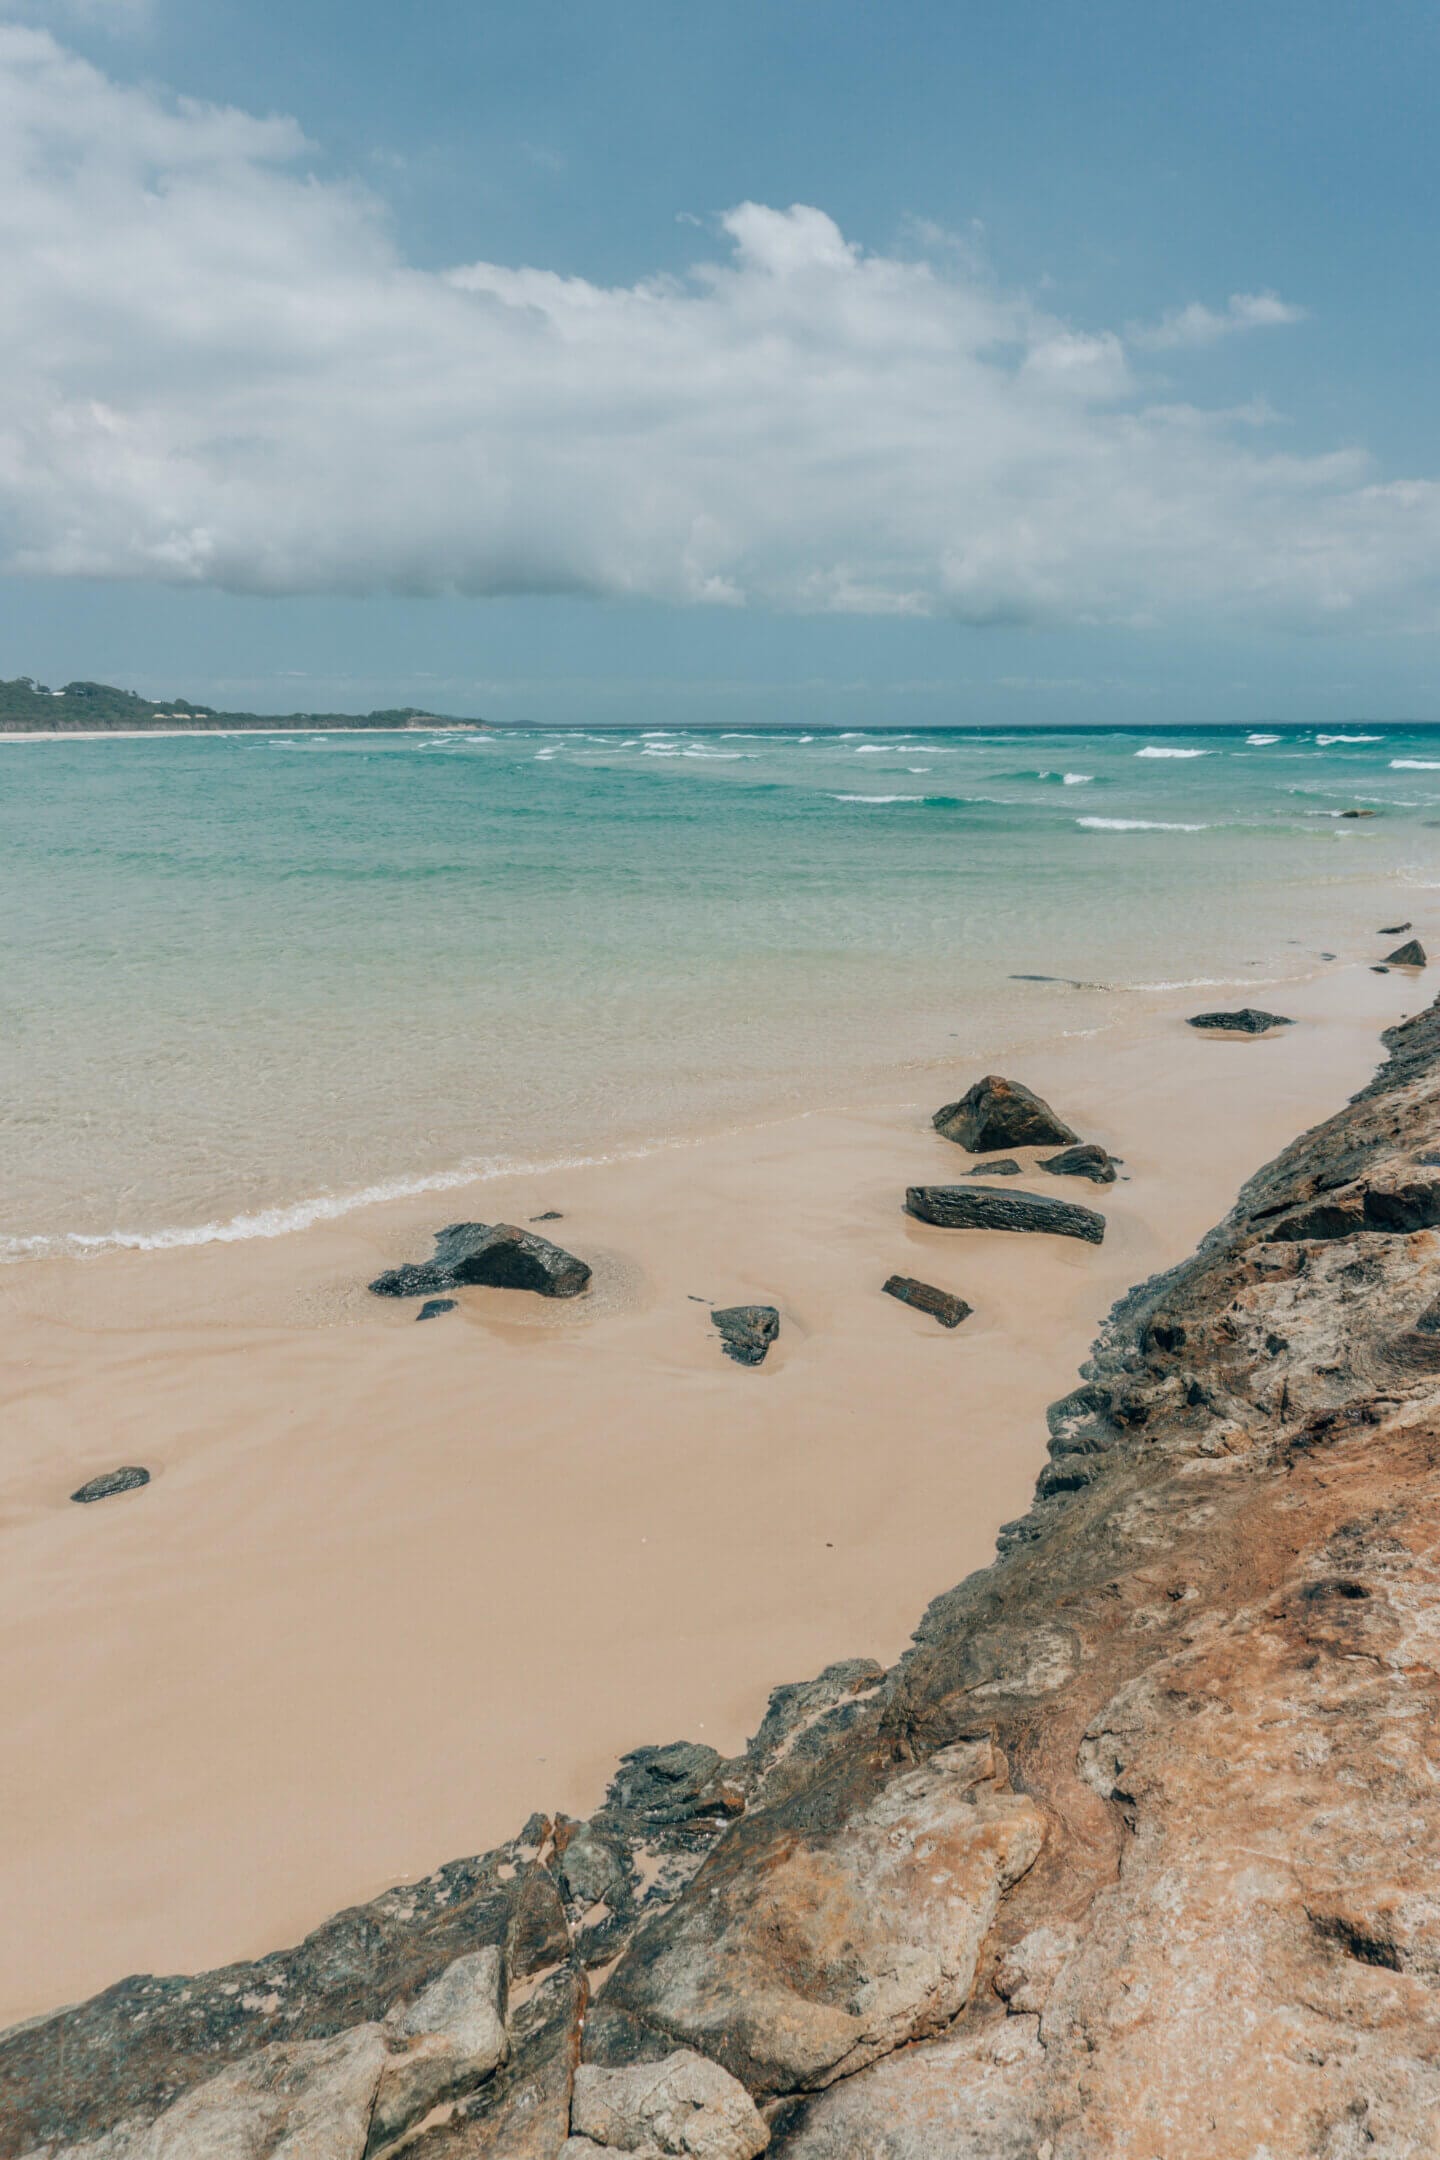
x: 391, y: 1588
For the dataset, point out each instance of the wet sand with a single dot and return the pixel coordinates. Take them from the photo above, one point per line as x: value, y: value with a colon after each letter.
x: 393, y: 1587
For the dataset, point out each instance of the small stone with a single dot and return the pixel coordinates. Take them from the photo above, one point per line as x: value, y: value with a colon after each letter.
x: 999, y: 1113
x: 112, y: 1481
x: 747, y: 1331
x: 1394, y: 929
x: 433, y: 1307
x: 1411, y: 954
x: 1247, y: 1021
x: 1006, y: 1167
x: 1088, y: 1160
x: 980, y: 1207
x: 551, y: 1214
x: 497, y: 1255
x: 942, y: 1305
x: 1378, y: 970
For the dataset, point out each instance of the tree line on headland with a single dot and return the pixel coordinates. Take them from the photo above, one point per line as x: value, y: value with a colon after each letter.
x: 85, y: 707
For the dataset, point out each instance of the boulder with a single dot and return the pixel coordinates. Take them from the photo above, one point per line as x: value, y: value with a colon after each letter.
x: 112, y: 1481
x: 1006, y: 1167
x: 942, y: 1305
x: 977, y: 1207
x: 447, y: 2041
x: 1249, y: 1020
x: 1088, y: 1160
x: 999, y: 1113
x: 1410, y: 954
x: 685, y: 2105
x: 433, y: 1307
x: 497, y: 1255
x: 747, y: 1331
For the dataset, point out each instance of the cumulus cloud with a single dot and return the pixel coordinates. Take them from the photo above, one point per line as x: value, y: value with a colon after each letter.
x: 1201, y: 325
x: 229, y: 374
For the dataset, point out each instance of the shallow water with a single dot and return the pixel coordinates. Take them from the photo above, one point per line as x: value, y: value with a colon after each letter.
x: 250, y: 978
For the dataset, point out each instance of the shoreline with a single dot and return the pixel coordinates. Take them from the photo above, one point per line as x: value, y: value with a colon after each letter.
x: 250, y: 1693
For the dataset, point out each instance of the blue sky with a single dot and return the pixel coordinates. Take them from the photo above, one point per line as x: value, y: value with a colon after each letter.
x: 1093, y: 380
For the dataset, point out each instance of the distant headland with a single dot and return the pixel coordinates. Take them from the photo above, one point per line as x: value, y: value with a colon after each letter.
x: 87, y: 708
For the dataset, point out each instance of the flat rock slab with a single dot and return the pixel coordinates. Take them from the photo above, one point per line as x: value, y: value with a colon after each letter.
x: 1394, y: 929
x: 747, y: 1331
x: 1088, y: 1160
x: 433, y: 1307
x: 112, y: 1481
x: 1408, y: 955
x: 977, y: 1207
x: 1249, y: 1020
x: 942, y: 1305
x: 1006, y: 1167
x: 496, y: 1255
x: 999, y: 1113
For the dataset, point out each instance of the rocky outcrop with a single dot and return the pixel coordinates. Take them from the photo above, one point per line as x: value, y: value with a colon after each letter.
x: 1410, y: 954
x: 1088, y: 1160
x: 1133, y: 1853
x: 942, y: 1305
x: 747, y: 1331
x: 110, y: 1482
x: 975, y: 1207
x: 998, y: 1113
x: 498, y: 1255
x: 1249, y: 1020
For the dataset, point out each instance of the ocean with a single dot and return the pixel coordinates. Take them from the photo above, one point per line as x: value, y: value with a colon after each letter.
x: 254, y: 980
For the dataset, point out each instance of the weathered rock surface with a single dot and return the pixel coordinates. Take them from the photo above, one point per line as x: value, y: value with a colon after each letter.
x: 434, y: 1307
x: 1410, y: 954
x: 686, y: 2104
x: 498, y: 1255
x: 1088, y: 1160
x: 1006, y: 1167
x: 1249, y: 1020
x: 1133, y: 1854
x: 998, y: 1113
x: 112, y: 1481
x: 973, y: 1207
x: 942, y: 1305
x: 747, y: 1331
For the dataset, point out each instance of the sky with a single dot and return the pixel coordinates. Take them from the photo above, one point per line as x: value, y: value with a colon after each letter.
x: 997, y: 361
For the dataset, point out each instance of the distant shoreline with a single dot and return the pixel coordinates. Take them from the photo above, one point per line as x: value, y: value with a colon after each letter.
x: 287, y: 724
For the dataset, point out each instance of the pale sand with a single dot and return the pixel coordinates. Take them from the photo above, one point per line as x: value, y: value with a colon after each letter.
x: 393, y: 1587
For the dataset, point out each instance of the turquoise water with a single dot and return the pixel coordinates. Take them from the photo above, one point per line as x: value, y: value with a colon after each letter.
x: 247, y: 979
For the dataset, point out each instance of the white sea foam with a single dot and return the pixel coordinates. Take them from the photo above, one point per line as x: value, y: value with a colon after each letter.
x: 1262, y: 738
x: 1158, y: 750
x: 1136, y: 824
x: 877, y: 798
x: 1414, y: 764
x: 1325, y: 740
x: 1077, y: 779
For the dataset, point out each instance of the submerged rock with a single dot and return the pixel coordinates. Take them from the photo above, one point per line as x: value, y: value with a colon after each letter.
x: 1006, y: 1167
x: 747, y: 1331
x: 112, y: 1481
x: 975, y: 1207
x: 497, y: 1255
x: 1394, y: 929
x: 1411, y: 954
x: 1088, y: 1160
x: 433, y: 1307
x: 1249, y: 1020
x: 942, y: 1305
x: 998, y: 1113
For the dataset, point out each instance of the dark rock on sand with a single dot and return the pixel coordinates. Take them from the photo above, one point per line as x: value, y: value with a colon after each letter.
x: 551, y: 1214
x: 942, y: 1305
x: 1379, y: 970
x: 112, y: 1481
x: 999, y: 1113
x: 1357, y: 813
x: 1394, y: 929
x: 1006, y: 1167
x: 1088, y: 1160
x: 433, y: 1307
x: 1249, y: 1020
x: 747, y: 1331
x: 974, y: 1207
x: 497, y: 1255
x: 1411, y: 954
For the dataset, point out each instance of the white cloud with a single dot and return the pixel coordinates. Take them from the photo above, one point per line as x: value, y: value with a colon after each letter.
x: 227, y: 373
x: 1200, y: 325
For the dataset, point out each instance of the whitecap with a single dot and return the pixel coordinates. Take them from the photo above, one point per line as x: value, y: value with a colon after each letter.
x: 1262, y: 738
x: 1077, y: 779
x: 1136, y: 824
x: 1414, y: 764
x: 1325, y: 740
x: 1154, y: 750
x: 877, y: 798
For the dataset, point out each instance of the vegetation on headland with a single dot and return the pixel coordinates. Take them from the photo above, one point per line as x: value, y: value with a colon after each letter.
x: 26, y: 705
